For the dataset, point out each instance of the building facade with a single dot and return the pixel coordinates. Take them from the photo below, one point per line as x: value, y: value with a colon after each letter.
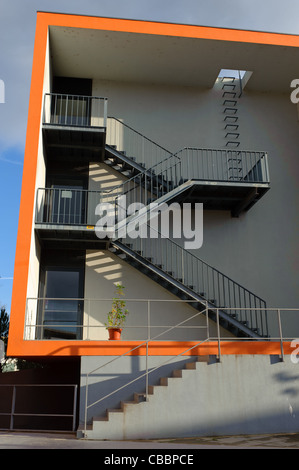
x: 128, y: 112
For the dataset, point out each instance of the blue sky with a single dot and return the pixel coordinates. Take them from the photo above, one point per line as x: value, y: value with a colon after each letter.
x: 17, y: 28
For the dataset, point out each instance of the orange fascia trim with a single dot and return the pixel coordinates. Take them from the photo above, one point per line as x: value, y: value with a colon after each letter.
x: 37, y: 348
x: 19, y: 291
x: 168, y: 29
x: 16, y: 345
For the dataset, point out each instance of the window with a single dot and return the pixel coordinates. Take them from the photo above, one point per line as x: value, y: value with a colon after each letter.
x: 60, y: 308
x: 71, y: 102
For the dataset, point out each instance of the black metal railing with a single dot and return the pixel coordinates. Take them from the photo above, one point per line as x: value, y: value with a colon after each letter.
x: 134, y: 144
x: 208, y: 282
x: 54, y: 407
x: 74, y: 110
x: 66, y: 206
x: 235, y: 166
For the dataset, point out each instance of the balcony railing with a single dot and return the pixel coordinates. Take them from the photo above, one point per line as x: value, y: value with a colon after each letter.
x: 74, y: 110
x: 58, y: 318
x: 235, y: 166
x: 58, y: 206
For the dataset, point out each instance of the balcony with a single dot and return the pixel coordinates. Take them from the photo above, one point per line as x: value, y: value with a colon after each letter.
x: 220, y: 179
x: 232, y: 180
x: 74, y: 127
x: 67, y: 215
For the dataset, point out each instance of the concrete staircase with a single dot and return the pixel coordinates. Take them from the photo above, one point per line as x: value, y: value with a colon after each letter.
x: 154, y: 417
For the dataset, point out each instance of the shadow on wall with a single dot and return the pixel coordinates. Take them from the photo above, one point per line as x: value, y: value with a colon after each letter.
x: 209, y: 401
x: 107, y: 379
x: 103, y: 272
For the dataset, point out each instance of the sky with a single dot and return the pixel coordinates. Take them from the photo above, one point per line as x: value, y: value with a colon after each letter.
x: 17, y: 29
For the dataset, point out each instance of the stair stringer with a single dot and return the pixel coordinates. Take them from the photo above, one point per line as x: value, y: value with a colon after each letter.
x: 166, y: 412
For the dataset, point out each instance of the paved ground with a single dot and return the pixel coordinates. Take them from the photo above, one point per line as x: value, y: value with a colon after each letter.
x: 30, y: 440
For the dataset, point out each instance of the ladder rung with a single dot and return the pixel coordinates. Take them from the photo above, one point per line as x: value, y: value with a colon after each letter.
x: 229, y: 102
x: 228, y: 85
x: 231, y: 118
x: 234, y: 135
x: 233, y: 110
x: 233, y: 168
x: 228, y: 78
x: 232, y: 143
x: 230, y: 93
x: 232, y: 127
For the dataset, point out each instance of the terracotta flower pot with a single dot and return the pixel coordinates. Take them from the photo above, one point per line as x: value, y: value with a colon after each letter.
x: 114, y: 333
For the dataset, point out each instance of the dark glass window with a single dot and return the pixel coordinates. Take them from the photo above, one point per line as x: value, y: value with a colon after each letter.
x: 71, y: 103
x: 60, y: 309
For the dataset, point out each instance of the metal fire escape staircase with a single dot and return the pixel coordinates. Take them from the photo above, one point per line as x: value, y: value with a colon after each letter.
x: 157, y: 175
x: 162, y: 259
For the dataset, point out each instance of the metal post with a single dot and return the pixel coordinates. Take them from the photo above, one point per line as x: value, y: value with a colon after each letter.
x: 105, y: 112
x: 148, y: 338
x: 13, y: 404
x: 207, y: 320
x: 88, y: 315
x: 86, y: 401
x: 280, y: 335
x: 148, y: 320
x: 74, y: 407
x: 146, y: 375
x: 218, y: 335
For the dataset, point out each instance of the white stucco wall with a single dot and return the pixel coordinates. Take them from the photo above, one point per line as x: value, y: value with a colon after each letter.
x: 240, y: 395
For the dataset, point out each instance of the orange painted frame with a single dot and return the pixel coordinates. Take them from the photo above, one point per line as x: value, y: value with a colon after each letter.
x: 17, y: 346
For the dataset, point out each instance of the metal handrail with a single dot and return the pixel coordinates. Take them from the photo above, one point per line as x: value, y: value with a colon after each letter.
x: 13, y: 413
x: 138, y: 133
x: 144, y: 187
x: 134, y: 144
x: 146, y: 374
x: 225, y: 165
x: 64, y: 109
x: 210, y: 283
x: 29, y: 324
x: 149, y: 326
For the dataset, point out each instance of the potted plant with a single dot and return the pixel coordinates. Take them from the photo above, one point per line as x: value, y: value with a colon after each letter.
x: 118, y: 314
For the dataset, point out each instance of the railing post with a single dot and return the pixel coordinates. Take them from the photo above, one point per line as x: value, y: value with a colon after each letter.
x: 146, y: 360
x: 86, y: 402
x: 207, y: 321
x: 105, y: 111
x: 44, y: 108
x: 88, y: 316
x: 13, y: 403
x: 146, y: 374
x: 148, y: 320
x: 26, y: 319
x: 280, y: 335
x: 218, y: 335
x: 74, y: 407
